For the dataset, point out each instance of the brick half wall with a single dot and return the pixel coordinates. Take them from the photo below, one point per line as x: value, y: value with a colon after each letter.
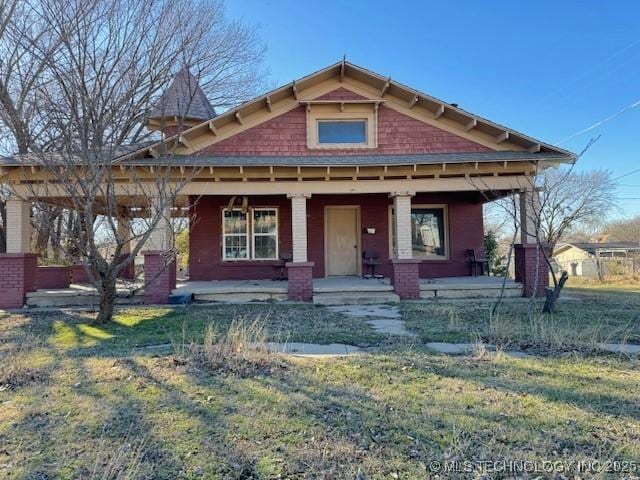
x: 18, y: 274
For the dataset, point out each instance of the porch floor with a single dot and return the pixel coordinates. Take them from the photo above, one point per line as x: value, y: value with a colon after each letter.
x: 261, y: 290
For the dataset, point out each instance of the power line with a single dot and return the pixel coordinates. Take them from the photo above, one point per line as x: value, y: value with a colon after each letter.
x: 600, y: 122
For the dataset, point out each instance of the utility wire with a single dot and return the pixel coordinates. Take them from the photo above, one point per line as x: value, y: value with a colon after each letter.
x: 600, y: 122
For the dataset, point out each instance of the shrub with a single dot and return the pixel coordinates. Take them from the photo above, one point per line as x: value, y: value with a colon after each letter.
x: 241, y: 350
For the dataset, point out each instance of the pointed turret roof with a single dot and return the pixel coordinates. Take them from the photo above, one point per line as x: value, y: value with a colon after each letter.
x: 183, y: 99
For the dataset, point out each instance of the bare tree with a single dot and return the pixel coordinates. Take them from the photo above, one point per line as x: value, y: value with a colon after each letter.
x: 156, y: 37
x: 624, y: 230
x: 560, y: 199
x: 111, y: 61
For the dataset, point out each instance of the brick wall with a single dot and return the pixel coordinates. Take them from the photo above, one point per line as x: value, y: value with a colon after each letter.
x: 397, y: 134
x: 205, y: 240
x: 53, y: 276
x: 205, y: 263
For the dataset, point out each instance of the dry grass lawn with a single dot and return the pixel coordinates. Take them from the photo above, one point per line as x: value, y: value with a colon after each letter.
x: 78, y: 401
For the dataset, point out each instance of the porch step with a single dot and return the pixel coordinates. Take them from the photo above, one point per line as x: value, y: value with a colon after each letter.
x: 74, y: 298
x: 472, y: 289
x: 355, y: 298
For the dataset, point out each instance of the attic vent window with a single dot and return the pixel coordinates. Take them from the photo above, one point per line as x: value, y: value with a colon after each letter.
x: 342, y: 131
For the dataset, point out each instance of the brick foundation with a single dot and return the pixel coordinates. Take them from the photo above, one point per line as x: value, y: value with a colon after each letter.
x: 17, y: 277
x: 159, y: 276
x: 53, y: 276
x: 300, y: 281
x: 405, y: 278
x: 534, y: 280
x: 79, y: 274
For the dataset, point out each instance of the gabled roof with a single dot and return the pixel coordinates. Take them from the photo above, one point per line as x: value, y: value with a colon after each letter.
x: 184, y: 99
x: 430, y: 109
x: 591, y: 247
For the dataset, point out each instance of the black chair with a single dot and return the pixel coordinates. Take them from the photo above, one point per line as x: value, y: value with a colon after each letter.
x: 476, y: 261
x: 282, y: 266
x: 370, y: 259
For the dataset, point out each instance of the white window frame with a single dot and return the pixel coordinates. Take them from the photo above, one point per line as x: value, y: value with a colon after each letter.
x: 225, y: 235
x: 445, y: 220
x: 334, y: 113
x: 254, y: 234
x: 365, y: 142
x: 250, y: 235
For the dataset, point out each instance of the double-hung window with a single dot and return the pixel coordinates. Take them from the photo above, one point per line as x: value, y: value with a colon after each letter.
x: 250, y: 235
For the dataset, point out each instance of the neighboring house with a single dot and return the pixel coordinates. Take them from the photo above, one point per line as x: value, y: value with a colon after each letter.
x: 581, y: 258
x: 338, y: 163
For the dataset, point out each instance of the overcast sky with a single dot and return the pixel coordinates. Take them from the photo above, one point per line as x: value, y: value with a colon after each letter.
x: 550, y: 69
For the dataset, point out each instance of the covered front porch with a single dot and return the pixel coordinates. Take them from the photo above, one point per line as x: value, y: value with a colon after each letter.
x: 306, y: 230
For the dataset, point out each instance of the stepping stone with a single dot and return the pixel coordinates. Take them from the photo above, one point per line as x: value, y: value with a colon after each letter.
x: 621, y: 348
x: 379, y: 311
x: 313, y: 349
x: 451, y: 348
x: 390, y: 327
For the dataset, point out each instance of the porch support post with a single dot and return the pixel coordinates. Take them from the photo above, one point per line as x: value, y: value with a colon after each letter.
x: 124, y: 235
x: 159, y: 260
x: 405, y: 269
x: 300, y: 270
x: 531, y: 268
x: 18, y: 229
x: 18, y: 267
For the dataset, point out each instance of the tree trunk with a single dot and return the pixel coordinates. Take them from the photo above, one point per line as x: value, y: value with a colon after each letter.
x: 553, y: 294
x: 107, y: 293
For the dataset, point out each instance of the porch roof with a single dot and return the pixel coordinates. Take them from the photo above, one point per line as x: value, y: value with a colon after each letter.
x: 351, y: 160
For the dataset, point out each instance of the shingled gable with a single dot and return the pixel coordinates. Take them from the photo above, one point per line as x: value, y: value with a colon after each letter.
x: 184, y: 100
x: 365, y: 86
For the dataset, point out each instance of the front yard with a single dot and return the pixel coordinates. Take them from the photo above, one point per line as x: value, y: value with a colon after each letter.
x: 83, y: 401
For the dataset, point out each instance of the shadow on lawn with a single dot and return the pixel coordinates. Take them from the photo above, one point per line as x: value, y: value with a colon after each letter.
x: 382, y: 413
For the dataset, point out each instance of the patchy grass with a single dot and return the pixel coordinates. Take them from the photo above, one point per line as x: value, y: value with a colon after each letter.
x: 592, y: 285
x: 79, y: 405
x: 580, y: 323
x: 385, y: 415
x: 134, y: 327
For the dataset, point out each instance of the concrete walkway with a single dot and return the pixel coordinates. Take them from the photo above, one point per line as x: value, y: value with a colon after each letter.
x: 384, y: 319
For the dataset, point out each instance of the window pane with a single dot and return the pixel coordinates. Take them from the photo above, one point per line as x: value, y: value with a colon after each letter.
x: 265, y: 247
x: 264, y: 221
x: 236, y: 246
x: 342, y: 131
x: 427, y: 225
x: 235, y: 221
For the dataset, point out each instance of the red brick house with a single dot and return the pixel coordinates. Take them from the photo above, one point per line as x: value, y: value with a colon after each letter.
x: 332, y: 169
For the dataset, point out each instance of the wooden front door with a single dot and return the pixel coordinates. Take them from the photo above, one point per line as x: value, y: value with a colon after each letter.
x: 342, y: 241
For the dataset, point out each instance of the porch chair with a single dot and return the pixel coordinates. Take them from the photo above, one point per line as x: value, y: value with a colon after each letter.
x: 370, y: 258
x: 476, y: 261
x: 282, y: 266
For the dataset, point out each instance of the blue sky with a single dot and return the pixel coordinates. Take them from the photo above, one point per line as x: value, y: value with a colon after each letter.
x: 547, y: 68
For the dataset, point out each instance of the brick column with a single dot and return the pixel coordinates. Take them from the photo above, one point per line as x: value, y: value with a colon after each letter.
x: 299, y: 271
x: 531, y: 268
x: 124, y: 234
x: 300, y: 281
x: 17, y: 277
x: 18, y: 267
x: 159, y: 276
x: 405, y: 275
